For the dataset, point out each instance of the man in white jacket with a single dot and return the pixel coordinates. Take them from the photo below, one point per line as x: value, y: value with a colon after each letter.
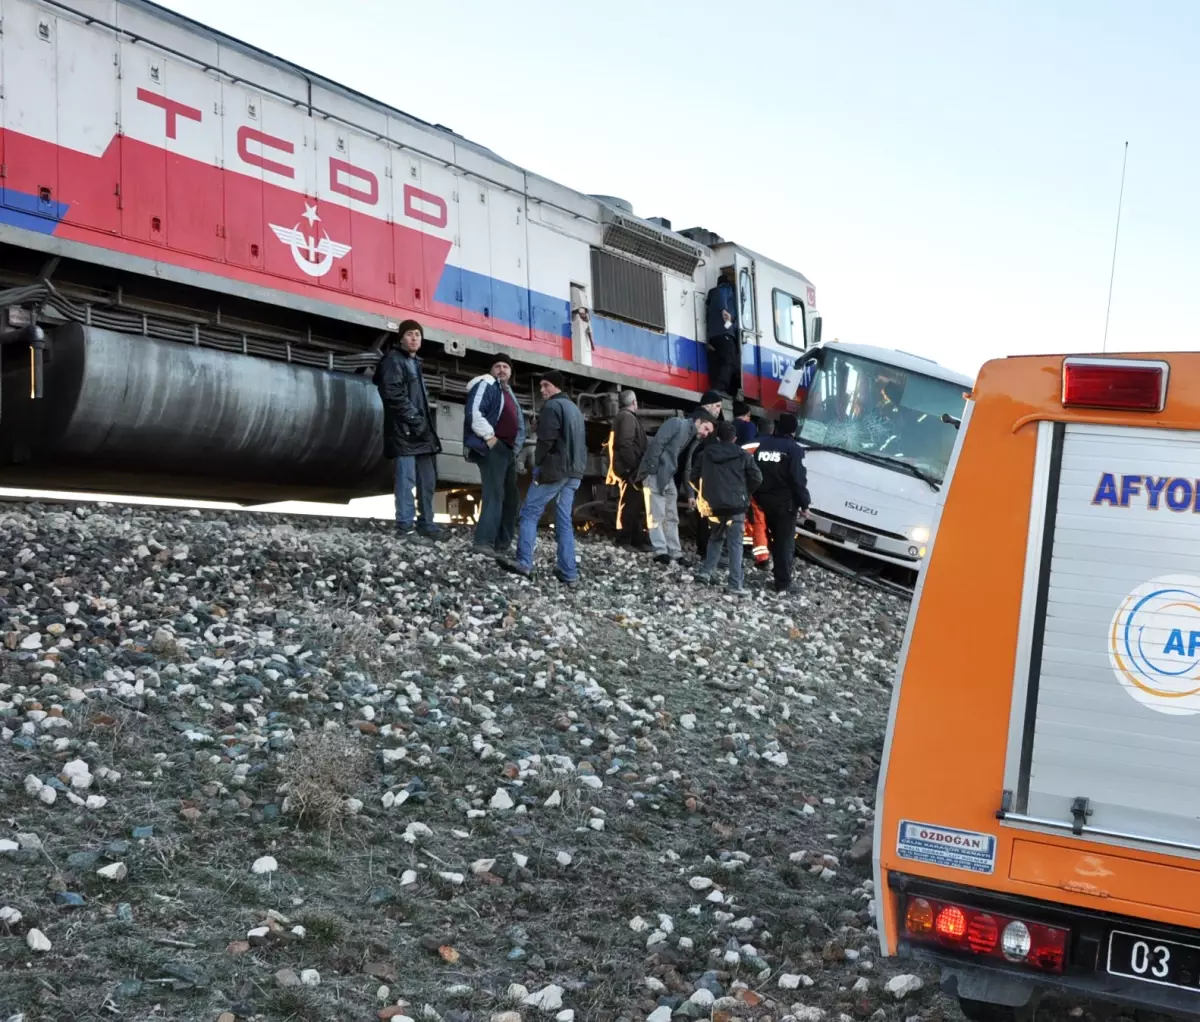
x: 493, y: 435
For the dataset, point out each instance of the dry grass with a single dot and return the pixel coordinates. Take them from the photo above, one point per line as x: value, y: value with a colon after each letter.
x: 325, y: 769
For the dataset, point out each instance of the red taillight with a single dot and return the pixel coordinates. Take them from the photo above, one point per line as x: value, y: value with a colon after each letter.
x: 987, y: 934
x: 1120, y: 384
x: 951, y: 924
x: 982, y: 935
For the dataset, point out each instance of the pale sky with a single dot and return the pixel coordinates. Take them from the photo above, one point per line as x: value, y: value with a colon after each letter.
x: 946, y: 173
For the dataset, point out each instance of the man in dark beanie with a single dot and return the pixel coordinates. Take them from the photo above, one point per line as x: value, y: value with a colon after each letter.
x: 493, y: 435
x: 782, y: 495
x: 410, y: 434
x: 742, y: 423
x: 711, y: 404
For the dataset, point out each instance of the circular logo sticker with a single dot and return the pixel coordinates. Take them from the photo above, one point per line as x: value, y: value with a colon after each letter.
x: 1154, y: 644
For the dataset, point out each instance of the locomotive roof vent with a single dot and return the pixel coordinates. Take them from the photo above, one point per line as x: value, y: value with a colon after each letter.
x: 621, y: 205
x: 648, y: 240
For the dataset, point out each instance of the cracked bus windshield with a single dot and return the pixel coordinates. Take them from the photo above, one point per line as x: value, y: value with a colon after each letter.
x: 867, y: 408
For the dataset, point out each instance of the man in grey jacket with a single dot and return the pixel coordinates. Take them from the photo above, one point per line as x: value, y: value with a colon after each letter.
x: 559, y: 462
x: 657, y: 475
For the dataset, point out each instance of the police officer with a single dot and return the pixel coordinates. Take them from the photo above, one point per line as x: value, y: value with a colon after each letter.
x: 782, y: 495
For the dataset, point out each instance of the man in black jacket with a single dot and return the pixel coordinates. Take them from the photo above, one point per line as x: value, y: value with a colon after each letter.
x: 710, y: 402
x: 559, y: 462
x: 725, y: 476
x: 783, y: 493
x: 410, y: 434
x: 626, y: 445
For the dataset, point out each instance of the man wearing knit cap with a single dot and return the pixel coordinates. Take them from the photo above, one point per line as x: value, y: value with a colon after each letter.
x: 493, y: 435
x: 742, y: 423
x: 783, y: 493
x: 711, y: 405
x: 410, y: 434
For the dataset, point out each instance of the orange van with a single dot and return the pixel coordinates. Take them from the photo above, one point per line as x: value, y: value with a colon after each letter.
x: 1038, y: 814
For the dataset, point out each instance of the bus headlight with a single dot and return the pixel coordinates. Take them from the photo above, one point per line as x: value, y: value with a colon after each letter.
x: 920, y: 534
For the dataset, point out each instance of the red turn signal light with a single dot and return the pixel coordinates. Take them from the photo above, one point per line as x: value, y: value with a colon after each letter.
x: 986, y: 934
x: 1120, y: 384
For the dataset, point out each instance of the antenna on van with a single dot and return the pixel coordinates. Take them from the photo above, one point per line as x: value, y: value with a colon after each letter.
x: 1116, y: 235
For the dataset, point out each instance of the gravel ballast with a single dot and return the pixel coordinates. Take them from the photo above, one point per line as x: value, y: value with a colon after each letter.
x: 292, y: 768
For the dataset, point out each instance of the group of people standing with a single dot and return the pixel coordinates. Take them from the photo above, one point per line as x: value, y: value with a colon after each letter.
x: 725, y: 470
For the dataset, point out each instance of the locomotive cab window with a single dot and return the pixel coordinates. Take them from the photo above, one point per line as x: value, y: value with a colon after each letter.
x: 789, y: 319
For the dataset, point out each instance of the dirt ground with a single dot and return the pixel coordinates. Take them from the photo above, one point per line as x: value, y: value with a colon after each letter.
x: 467, y: 796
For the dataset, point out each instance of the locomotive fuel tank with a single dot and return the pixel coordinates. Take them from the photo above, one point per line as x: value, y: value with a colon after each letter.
x: 120, y: 410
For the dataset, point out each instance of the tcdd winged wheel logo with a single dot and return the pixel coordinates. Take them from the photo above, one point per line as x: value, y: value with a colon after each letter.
x: 314, y: 257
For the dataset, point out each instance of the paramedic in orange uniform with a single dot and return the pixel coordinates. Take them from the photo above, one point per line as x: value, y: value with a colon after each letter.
x: 756, y: 524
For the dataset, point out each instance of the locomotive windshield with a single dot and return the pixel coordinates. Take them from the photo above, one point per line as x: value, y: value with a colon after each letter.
x: 882, y: 413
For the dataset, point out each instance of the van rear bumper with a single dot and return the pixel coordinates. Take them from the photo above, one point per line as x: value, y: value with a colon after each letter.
x: 1086, y: 972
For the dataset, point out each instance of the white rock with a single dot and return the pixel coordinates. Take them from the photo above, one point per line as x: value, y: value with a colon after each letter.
x: 596, y: 824
x: 482, y: 865
x: 310, y: 978
x: 264, y: 864
x: 393, y: 755
x: 37, y: 941
x: 48, y: 795
x: 862, y: 985
x: 452, y: 878
x: 258, y: 933
x: 901, y: 986
x: 661, y: 1014
x: 415, y: 831
x: 353, y: 806
x: 686, y: 943
x: 114, y: 871
x: 700, y: 883
x: 716, y: 897
x: 520, y: 860
x: 655, y: 985
x: 96, y: 802
x: 547, y: 999
x: 33, y: 785
x: 555, y: 799
x: 566, y: 1015
x: 32, y: 641
x: 657, y: 937
x: 501, y: 800
x: 408, y: 877
x: 808, y: 1013
x: 591, y: 781
x: 9, y: 915
x: 702, y: 997
x: 638, y: 924
x: 688, y: 722
x: 516, y: 992
x: 8, y: 846
x: 564, y: 858
x: 732, y: 958
x: 789, y: 981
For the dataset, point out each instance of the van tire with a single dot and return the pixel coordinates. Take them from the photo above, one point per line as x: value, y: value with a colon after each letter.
x: 985, y: 1011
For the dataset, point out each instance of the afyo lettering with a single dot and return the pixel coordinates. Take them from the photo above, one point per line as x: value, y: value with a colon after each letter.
x: 1172, y: 493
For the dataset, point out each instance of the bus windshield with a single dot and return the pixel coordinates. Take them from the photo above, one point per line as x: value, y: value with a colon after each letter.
x: 877, y: 411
